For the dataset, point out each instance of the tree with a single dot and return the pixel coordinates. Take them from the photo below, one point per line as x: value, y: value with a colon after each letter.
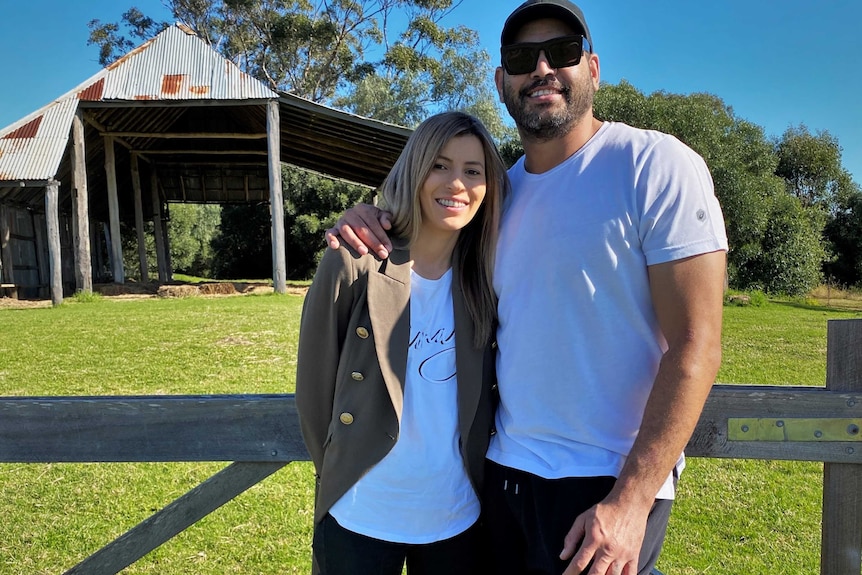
x: 844, y: 232
x: 793, y: 252
x: 191, y: 228
x: 312, y: 204
x: 810, y: 164
x: 243, y: 247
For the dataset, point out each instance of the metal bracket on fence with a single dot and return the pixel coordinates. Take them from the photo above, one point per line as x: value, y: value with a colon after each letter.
x: 794, y: 429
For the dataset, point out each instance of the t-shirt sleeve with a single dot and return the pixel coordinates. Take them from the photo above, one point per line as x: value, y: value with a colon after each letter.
x: 681, y: 216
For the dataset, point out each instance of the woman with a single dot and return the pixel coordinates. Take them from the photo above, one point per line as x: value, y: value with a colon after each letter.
x: 395, y: 371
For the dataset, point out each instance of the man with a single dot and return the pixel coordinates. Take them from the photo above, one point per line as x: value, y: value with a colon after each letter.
x: 610, y: 275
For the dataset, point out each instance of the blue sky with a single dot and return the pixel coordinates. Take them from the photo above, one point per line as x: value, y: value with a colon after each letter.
x: 777, y: 63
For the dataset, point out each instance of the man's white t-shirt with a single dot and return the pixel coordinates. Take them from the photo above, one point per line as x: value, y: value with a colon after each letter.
x: 420, y: 492
x: 579, y: 343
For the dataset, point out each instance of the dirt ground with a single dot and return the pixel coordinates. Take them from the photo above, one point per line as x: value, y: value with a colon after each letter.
x: 145, y: 291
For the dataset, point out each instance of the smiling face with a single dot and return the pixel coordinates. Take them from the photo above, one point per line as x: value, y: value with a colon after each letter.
x: 454, y: 189
x: 548, y: 103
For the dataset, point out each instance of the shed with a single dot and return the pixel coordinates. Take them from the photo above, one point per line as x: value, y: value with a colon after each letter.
x: 171, y: 121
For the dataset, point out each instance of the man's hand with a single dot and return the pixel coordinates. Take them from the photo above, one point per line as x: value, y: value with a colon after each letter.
x: 363, y: 227
x: 610, y: 537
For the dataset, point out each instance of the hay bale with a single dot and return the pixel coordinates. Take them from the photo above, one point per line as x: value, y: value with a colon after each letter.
x: 178, y: 291
x: 219, y: 288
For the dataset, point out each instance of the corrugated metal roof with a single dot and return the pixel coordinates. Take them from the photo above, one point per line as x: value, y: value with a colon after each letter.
x: 31, y: 148
x: 175, y: 65
x: 196, y: 121
x: 178, y: 65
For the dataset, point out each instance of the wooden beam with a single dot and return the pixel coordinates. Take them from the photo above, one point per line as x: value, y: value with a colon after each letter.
x: 143, y: 266
x: 276, y: 199
x: 185, y: 152
x: 235, y: 428
x: 725, y: 402
x: 116, y: 247
x: 150, y: 428
x: 188, y: 135
x: 80, y: 208
x: 88, y: 116
x: 176, y: 517
x: 52, y: 221
x: 841, y: 542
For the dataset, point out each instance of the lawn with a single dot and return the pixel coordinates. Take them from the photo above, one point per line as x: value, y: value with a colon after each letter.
x: 732, y: 517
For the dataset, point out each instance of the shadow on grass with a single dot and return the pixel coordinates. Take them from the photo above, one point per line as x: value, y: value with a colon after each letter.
x: 846, y: 306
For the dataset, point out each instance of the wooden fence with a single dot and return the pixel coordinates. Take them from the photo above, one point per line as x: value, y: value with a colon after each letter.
x: 260, y: 434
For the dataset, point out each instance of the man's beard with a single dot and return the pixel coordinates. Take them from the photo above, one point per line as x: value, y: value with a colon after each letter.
x: 545, y: 124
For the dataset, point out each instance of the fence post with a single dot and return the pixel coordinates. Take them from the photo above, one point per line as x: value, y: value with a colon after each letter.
x: 841, y: 546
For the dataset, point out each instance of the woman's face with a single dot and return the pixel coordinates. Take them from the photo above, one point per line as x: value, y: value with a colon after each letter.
x: 455, y: 187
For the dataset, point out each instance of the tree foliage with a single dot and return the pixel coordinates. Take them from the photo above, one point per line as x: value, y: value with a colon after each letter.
x: 810, y: 165
x: 844, y: 233
x: 312, y: 203
x: 191, y: 229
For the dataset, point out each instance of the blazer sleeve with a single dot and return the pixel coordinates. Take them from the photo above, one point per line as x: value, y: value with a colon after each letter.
x: 325, y: 315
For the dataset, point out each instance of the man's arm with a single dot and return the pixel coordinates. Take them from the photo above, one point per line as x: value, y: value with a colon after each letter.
x: 687, y: 296
x: 363, y: 227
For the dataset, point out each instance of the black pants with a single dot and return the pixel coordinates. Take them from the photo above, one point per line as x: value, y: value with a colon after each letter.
x: 527, y: 518
x: 339, y: 551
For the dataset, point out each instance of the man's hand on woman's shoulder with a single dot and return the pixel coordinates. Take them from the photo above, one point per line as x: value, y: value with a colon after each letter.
x: 363, y: 227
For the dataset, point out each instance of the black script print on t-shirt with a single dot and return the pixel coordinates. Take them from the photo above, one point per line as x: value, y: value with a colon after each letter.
x: 436, y: 347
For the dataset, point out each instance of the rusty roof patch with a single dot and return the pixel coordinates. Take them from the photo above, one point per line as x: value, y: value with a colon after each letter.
x: 28, y: 130
x: 199, y: 89
x: 171, y: 83
x: 93, y: 92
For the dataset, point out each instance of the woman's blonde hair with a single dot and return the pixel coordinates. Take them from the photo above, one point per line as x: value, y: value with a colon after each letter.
x: 475, y: 249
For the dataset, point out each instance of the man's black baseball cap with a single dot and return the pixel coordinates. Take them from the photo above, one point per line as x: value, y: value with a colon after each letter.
x: 537, y: 9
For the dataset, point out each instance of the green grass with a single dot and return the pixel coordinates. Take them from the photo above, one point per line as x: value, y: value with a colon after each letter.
x: 732, y: 516
x: 56, y: 515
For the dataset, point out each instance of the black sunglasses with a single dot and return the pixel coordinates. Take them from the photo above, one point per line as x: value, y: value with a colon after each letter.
x: 561, y: 53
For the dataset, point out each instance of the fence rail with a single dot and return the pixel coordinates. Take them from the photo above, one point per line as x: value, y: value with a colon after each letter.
x: 260, y: 434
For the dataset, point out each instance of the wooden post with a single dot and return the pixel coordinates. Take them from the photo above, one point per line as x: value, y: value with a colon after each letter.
x: 42, y: 263
x: 841, y: 546
x: 276, y: 201
x: 80, y: 208
x: 8, y: 275
x: 52, y: 220
x: 169, y: 264
x: 116, y: 247
x: 139, y: 220
x: 157, y: 228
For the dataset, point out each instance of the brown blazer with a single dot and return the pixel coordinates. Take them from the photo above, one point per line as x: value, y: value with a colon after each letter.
x: 351, y: 366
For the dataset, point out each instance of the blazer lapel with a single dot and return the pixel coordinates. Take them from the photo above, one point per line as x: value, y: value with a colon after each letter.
x: 389, y: 310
